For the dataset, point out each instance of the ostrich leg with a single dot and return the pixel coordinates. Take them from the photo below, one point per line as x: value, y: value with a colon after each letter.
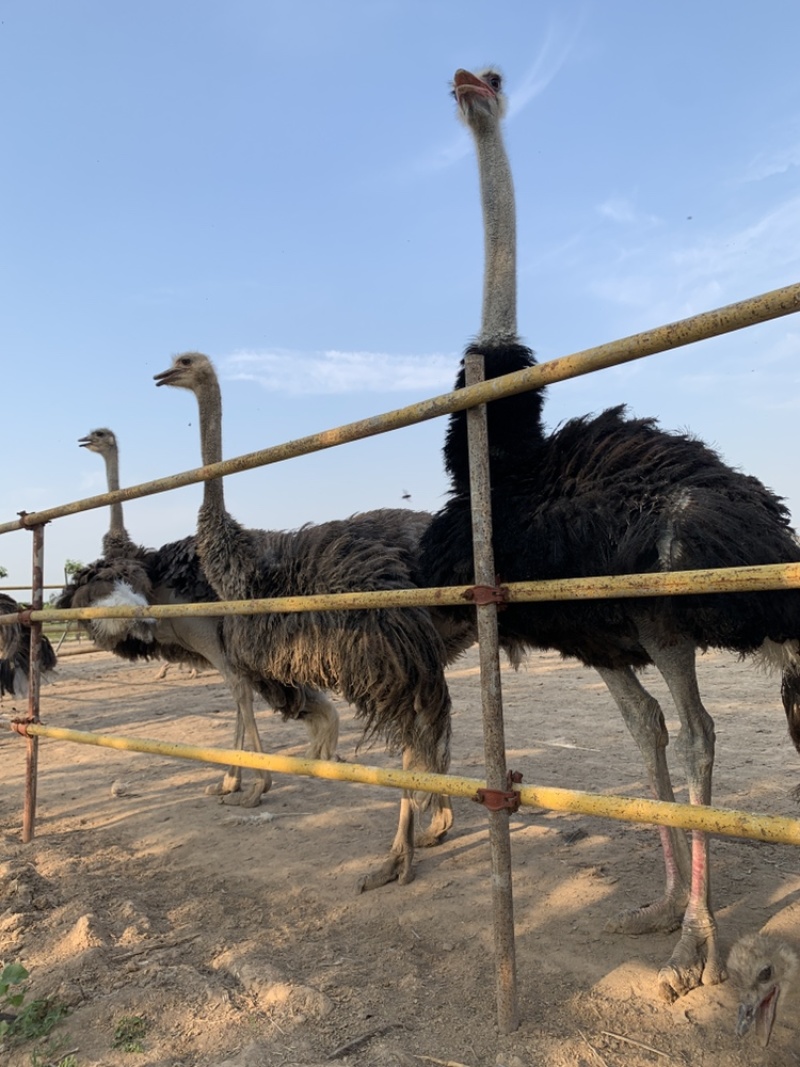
x: 696, y: 958
x: 645, y: 720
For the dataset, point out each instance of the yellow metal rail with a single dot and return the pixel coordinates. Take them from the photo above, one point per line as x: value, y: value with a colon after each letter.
x: 725, y: 821
x: 771, y: 305
x: 672, y: 583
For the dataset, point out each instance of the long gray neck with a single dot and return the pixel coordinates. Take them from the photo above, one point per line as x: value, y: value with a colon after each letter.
x: 229, y: 557
x: 499, y: 318
x: 117, y: 541
x: 209, y: 400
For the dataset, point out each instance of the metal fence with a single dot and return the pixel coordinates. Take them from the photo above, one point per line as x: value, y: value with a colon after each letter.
x: 484, y: 595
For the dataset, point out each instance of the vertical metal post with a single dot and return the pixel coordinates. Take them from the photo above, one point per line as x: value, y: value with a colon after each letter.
x: 34, y: 677
x: 492, y: 704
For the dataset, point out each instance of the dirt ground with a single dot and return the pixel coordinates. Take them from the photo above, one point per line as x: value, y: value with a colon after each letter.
x: 246, y: 945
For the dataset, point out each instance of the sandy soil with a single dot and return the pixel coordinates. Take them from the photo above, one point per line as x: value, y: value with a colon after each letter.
x: 247, y: 945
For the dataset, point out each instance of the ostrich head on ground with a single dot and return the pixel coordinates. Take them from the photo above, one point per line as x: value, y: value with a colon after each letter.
x: 762, y: 969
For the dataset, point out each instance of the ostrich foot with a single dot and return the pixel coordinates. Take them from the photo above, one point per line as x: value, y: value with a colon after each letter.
x: 397, y: 868
x: 441, y: 822
x: 661, y: 917
x: 231, y: 783
x: 251, y: 797
x: 694, y: 962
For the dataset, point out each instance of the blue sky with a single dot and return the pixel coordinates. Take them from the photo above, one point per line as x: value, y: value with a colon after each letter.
x: 286, y: 188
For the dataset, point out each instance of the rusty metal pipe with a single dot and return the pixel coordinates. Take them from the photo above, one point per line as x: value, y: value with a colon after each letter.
x: 492, y: 706
x: 776, y: 829
x: 672, y: 583
x: 762, y: 308
x: 34, y: 677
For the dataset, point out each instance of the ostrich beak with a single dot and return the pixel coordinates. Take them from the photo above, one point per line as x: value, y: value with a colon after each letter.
x: 167, y: 377
x: 761, y: 1015
x: 84, y: 442
x: 466, y: 83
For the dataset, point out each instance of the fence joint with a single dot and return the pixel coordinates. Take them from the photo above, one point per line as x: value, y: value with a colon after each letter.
x: 487, y: 594
x: 499, y: 799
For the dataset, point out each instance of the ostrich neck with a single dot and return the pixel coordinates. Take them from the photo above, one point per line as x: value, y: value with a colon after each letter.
x: 220, y: 539
x: 499, y: 319
x: 209, y: 401
x: 117, y: 540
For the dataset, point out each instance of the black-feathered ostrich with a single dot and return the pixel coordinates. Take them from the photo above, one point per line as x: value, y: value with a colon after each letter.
x: 15, y: 652
x: 615, y: 495
x: 172, y: 575
x: 388, y: 662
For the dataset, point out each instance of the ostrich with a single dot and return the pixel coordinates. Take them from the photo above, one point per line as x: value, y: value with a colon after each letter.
x: 763, y: 969
x: 388, y: 662
x: 15, y: 652
x: 613, y: 494
x: 10, y: 636
x: 172, y: 575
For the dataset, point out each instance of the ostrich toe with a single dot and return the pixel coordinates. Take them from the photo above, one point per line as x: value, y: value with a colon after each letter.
x: 250, y: 797
x: 694, y: 962
x: 231, y: 783
x: 661, y: 917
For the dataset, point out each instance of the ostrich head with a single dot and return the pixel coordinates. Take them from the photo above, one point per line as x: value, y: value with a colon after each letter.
x: 762, y: 968
x: 480, y: 97
x: 189, y: 370
x: 102, y: 441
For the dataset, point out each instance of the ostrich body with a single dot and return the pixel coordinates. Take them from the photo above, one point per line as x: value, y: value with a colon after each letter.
x: 10, y: 636
x: 15, y: 652
x: 616, y: 495
x: 763, y: 969
x: 388, y: 662
x: 172, y: 575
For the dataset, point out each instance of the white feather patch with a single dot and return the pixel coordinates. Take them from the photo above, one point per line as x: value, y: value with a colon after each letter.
x: 124, y: 595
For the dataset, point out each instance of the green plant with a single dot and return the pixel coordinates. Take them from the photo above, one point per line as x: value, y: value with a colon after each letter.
x: 71, y: 568
x: 129, y: 1033
x: 13, y: 974
x: 49, y: 1057
x: 33, y: 1020
x: 37, y: 1019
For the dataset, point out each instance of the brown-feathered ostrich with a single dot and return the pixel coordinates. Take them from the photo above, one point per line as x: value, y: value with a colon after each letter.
x: 616, y: 495
x: 388, y: 662
x: 763, y: 969
x: 172, y: 575
x: 15, y: 652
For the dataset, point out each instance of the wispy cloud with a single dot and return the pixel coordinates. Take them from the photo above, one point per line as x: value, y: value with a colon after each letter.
x: 766, y: 164
x: 757, y: 249
x: 552, y: 56
x: 334, y: 373
x: 662, y: 274
x: 622, y: 210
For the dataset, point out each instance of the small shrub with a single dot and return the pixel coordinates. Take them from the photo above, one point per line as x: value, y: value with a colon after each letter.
x: 13, y: 974
x: 37, y: 1019
x: 49, y: 1057
x: 129, y: 1033
x: 32, y: 1020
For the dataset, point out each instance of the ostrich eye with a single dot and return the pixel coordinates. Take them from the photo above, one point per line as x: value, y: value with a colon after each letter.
x: 765, y: 973
x: 186, y: 362
x: 495, y: 81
